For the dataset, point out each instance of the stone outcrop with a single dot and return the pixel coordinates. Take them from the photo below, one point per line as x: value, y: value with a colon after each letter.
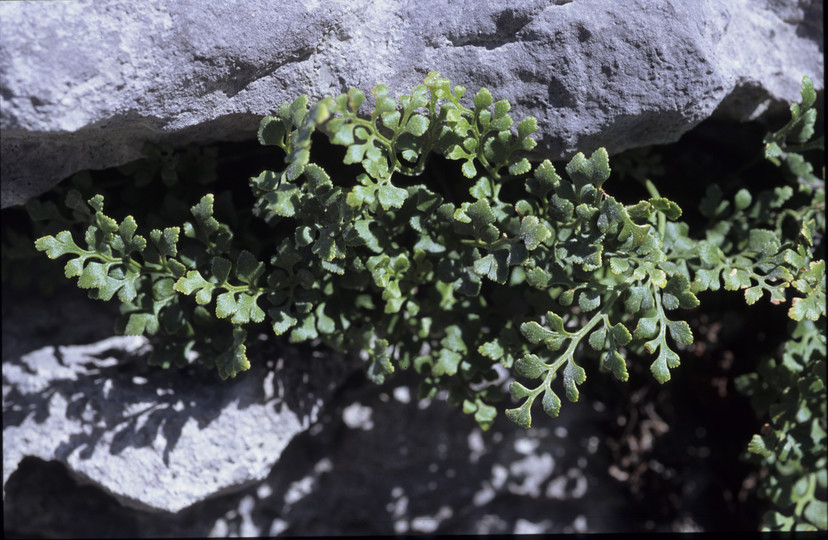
x: 85, y: 84
x: 381, y: 462
x: 156, y: 439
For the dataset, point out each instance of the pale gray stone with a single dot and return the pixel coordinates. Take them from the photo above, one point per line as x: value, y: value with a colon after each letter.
x: 156, y: 439
x: 85, y: 84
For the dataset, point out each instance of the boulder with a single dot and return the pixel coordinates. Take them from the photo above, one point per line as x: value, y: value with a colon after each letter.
x: 85, y: 84
x: 380, y: 462
x: 156, y: 439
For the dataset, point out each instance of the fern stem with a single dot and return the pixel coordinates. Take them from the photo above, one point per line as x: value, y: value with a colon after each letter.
x: 662, y: 219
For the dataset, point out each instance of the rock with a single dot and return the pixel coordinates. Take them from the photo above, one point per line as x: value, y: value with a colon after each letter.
x: 85, y: 84
x: 381, y: 462
x: 158, y: 439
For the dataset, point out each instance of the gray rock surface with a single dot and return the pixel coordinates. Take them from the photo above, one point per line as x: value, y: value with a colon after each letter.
x: 380, y: 462
x: 156, y: 439
x: 85, y: 84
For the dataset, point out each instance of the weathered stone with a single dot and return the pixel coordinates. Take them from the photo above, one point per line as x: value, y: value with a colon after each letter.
x: 85, y: 84
x: 158, y: 439
x: 381, y: 462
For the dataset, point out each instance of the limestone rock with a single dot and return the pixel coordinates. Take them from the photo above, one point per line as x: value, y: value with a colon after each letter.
x: 85, y: 84
x: 157, y: 439
x: 380, y: 462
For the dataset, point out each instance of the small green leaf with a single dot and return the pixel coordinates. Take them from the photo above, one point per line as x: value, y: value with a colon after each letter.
x: 226, y: 305
x: 194, y: 282
x: 594, y: 171
x: 59, y: 245
x: 544, y: 180
x: 679, y: 288
x: 753, y: 294
x: 520, y: 167
x: 480, y: 214
x: 551, y: 403
x: 482, y: 188
x: 811, y: 307
x: 736, y: 278
x: 680, y: 332
x: 468, y: 169
x: 141, y: 322
x: 538, y: 278
x: 492, y: 349
x: 282, y: 321
x: 221, y: 269
x: 391, y: 120
x: 518, y: 391
x: 589, y: 300
x: 380, y: 365
x: 493, y: 266
x: 667, y: 207
x: 597, y: 338
x: 391, y: 197
x: 757, y: 446
x: 74, y: 267
x: 363, y: 229
x: 355, y: 99
x: 620, y: 334
x: 306, y: 331
x: 501, y: 108
x: 355, y: 153
x: 485, y: 414
x: 521, y: 416
x: 619, y: 266
x: 573, y: 376
x: 534, y: 332
x: 742, y: 199
x: 666, y: 358
x: 248, y: 269
x: 533, y: 232
x: 247, y: 310
x: 710, y: 254
x: 234, y: 359
x: 647, y: 327
x: 166, y: 241
x: 527, y: 126
x: 764, y: 242
x: 93, y: 276
x: 447, y: 363
x: 531, y: 366
x: 483, y: 99
x: 417, y: 125
x: 203, y: 212
x: 817, y: 513
x: 807, y: 92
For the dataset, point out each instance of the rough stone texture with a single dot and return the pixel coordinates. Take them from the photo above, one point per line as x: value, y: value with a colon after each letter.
x: 380, y: 462
x: 85, y: 84
x: 155, y: 439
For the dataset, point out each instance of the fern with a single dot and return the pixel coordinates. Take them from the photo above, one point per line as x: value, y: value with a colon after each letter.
x: 510, y: 265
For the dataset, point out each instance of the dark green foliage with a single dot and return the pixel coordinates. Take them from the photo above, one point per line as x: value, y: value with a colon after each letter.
x: 790, y: 392
x: 533, y: 269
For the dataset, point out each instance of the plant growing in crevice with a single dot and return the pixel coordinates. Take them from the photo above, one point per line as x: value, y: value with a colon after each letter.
x: 512, y: 268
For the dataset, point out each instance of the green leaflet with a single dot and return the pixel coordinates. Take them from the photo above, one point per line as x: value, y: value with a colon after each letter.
x: 380, y: 365
x: 108, y: 266
x: 812, y: 283
x: 193, y: 282
x: 234, y: 359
